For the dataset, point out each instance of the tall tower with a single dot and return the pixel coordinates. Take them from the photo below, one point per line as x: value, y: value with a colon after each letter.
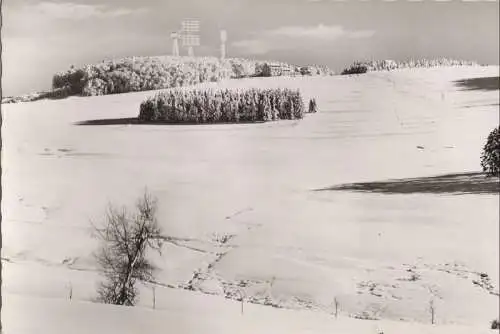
x: 190, y: 35
x: 175, y: 44
x: 223, y: 40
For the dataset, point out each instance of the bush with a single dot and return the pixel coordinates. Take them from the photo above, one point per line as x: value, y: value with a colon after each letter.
x: 197, y: 106
x: 265, y: 70
x: 315, y: 70
x: 356, y: 68
x: 312, y: 106
x: 490, y: 158
x: 125, y: 240
x: 74, y: 79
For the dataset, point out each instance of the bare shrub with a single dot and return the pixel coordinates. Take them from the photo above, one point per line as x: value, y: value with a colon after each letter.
x: 125, y: 240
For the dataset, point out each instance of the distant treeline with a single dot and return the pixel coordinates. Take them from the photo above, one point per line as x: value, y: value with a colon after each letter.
x: 360, y: 67
x: 151, y: 73
x: 135, y: 74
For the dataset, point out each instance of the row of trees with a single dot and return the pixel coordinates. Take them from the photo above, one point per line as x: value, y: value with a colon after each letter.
x: 388, y: 65
x: 215, y: 106
x: 152, y: 73
x: 146, y: 73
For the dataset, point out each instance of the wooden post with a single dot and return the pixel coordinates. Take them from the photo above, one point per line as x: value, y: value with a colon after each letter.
x: 432, y: 310
x: 242, y: 302
x: 154, y: 297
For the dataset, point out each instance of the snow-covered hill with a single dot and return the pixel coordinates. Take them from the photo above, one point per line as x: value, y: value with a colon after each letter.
x: 382, y: 256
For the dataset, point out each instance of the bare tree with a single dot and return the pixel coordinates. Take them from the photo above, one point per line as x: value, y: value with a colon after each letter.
x: 125, y: 240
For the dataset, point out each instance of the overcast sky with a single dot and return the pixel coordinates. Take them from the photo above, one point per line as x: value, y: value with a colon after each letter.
x: 42, y: 37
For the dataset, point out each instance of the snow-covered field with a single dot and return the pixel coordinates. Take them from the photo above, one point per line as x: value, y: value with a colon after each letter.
x: 382, y: 256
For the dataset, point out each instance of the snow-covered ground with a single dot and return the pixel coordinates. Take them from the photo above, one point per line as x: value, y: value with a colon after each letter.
x: 383, y: 256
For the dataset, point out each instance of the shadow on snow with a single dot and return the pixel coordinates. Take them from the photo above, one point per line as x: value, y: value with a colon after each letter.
x: 134, y: 120
x: 462, y: 183
x: 486, y: 83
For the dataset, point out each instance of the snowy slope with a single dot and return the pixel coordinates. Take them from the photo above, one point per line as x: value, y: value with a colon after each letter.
x: 383, y: 256
x: 193, y: 314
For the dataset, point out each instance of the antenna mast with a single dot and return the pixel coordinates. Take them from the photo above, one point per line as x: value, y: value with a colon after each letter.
x: 175, y: 44
x: 223, y: 40
x: 190, y: 35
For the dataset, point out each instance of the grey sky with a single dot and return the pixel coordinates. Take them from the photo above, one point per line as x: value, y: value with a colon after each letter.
x: 41, y: 37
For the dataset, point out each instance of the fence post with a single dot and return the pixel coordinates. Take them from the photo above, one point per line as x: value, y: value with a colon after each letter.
x: 432, y: 309
x: 154, y: 297
x: 242, y: 301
